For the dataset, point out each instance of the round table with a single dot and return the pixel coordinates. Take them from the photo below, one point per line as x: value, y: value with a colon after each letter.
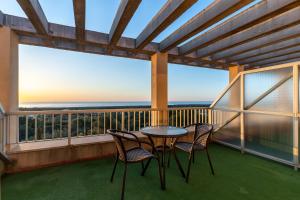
x: 163, y: 132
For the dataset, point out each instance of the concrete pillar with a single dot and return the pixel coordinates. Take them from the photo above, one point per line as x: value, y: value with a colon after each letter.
x: 234, y: 71
x: 9, y: 82
x: 159, y: 88
x: 9, y: 67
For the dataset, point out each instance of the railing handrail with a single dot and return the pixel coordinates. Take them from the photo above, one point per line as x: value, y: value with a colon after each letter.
x: 74, y: 111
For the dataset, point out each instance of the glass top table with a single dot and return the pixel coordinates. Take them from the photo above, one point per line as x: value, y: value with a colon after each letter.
x: 163, y: 132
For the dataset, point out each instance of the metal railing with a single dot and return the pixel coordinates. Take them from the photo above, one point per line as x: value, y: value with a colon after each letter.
x: 35, y: 126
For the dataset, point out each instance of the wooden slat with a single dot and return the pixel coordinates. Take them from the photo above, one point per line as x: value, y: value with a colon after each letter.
x: 271, y: 47
x: 34, y: 12
x: 168, y: 14
x: 276, y: 63
x: 285, y: 58
x: 259, y: 58
x: 96, y: 49
x: 274, y: 38
x: 124, y: 14
x: 79, y: 14
x: 215, y: 12
x: 280, y: 22
x: 256, y: 14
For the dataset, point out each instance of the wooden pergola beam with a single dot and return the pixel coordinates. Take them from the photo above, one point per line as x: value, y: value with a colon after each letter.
x: 94, y: 49
x: 276, y: 63
x: 66, y: 35
x: 79, y: 15
x: 281, y: 45
x: 284, y: 58
x: 124, y: 14
x: 215, y: 12
x: 259, y: 58
x: 280, y: 22
x: 256, y: 14
x: 274, y: 38
x: 168, y: 14
x: 35, y: 14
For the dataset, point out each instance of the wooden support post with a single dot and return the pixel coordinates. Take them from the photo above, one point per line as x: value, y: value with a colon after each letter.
x: 9, y: 79
x: 159, y: 88
x: 234, y: 71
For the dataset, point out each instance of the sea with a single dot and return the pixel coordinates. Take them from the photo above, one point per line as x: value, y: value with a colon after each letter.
x: 105, y: 105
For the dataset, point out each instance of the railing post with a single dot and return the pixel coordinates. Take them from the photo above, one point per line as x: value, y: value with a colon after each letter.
x: 295, y: 116
x: 242, y: 117
x: 209, y: 112
x: 123, y: 122
x: 69, y: 128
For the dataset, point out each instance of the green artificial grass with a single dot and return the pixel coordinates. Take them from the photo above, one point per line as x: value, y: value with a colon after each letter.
x: 237, y: 177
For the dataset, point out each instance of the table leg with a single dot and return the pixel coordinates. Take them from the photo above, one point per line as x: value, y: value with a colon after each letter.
x: 164, y: 163
x: 160, y: 165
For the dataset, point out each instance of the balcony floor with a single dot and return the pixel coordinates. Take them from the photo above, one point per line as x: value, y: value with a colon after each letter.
x: 237, y: 177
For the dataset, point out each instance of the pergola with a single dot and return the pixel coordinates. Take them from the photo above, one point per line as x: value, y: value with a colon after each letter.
x: 266, y: 33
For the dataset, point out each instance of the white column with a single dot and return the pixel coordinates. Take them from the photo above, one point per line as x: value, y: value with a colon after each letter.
x: 9, y: 78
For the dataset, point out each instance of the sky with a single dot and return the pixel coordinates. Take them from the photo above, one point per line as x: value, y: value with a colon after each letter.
x: 51, y: 75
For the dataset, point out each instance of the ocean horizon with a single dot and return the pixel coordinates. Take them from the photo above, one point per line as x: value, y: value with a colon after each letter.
x: 116, y: 104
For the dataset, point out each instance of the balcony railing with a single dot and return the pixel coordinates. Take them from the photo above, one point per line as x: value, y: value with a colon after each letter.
x: 67, y: 124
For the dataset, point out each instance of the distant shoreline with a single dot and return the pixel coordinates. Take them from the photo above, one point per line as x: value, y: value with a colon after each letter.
x: 108, y: 107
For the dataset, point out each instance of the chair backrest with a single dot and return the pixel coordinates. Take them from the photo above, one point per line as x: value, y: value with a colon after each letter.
x: 202, y: 133
x: 118, y: 138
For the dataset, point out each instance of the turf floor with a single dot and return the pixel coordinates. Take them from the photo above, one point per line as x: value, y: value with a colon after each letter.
x: 237, y: 177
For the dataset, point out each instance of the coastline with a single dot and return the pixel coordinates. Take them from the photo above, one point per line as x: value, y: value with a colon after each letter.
x: 109, y: 107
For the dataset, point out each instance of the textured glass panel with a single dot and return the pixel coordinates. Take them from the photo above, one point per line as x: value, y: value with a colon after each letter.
x: 231, y: 99
x: 230, y: 133
x: 258, y: 83
x: 280, y: 100
x: 271, y: 135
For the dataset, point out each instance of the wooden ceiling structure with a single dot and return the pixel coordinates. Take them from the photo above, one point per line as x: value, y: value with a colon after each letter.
x: 264, y: 34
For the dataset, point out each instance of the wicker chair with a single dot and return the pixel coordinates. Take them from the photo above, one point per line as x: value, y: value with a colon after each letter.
x: 132, y: 155
x: 200, y: 143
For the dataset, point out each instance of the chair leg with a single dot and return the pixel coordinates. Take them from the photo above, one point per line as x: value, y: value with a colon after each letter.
x: 169, y: 158
x: 189, y: 167
x: 146, y: 167
x: 210, y: 164
x: 123, y: 184
x: 114, y: 169
x: 160, y: 174
x: 178, y: 164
